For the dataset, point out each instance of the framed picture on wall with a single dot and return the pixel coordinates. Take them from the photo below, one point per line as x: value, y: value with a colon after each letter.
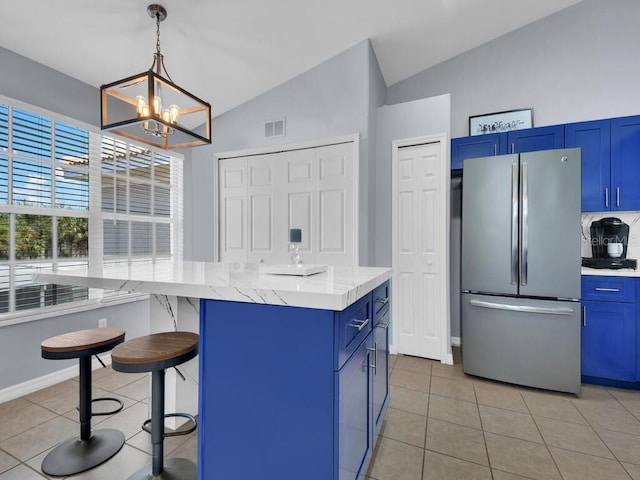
x: 501, y: 121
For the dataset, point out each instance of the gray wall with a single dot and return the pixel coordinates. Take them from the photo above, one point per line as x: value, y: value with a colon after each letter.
x: 20, y: 359
x: 579, y: 64
x: 334, y: 98
x: 398, y: 122
x: 33, y: 83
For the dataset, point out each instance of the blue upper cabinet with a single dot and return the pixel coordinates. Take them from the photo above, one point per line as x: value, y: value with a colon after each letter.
x: 625, y: 163
x: 517, y: 141
x: 476, y: 146
x: 594, y: 138
x: 535, y: 139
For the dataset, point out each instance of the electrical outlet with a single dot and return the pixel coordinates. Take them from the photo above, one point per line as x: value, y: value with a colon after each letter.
x: 102, y: 323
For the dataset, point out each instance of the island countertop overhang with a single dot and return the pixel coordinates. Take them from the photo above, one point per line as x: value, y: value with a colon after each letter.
x: 335, y: 289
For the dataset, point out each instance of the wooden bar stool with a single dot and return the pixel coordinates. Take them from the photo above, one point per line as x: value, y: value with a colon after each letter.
x: 90, y: 449
x: 155, y: 353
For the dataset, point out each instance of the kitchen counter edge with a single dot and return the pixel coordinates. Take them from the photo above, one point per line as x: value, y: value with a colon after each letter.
x: 333, y: 290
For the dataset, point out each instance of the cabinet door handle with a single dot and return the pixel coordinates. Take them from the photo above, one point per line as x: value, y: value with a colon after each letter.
x: 375, y: 357
x: 513, y: 148
x: 584, y: 316
x: 359, y: 324
x: 617, y: 196
x: 606, y: 197
x: 602, y: 289
x: 495, y: 149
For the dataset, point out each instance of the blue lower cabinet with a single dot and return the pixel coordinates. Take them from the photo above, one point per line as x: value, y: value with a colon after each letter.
x: 380, y: 382
x: 353, y: 387
x: 288, y: 392
x: 608, y: 342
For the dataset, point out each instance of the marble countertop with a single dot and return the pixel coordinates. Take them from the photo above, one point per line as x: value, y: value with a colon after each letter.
x: 622, y: 272
x: 335, y: 289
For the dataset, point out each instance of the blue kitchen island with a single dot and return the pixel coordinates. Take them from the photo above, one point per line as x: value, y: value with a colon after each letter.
x: 293, y: 371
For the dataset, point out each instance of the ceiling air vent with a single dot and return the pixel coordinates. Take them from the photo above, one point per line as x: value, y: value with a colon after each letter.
x: 274, y: 128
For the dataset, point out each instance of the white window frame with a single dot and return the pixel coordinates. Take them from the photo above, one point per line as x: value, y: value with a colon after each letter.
x: 97, y: 297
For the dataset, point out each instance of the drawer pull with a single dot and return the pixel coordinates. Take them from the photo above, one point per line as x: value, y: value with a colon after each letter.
x: 382, y: 300
x: 601, y: 289
x: 359, y: 324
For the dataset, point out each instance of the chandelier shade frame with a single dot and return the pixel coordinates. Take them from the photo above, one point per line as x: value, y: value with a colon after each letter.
x: 150, y: 108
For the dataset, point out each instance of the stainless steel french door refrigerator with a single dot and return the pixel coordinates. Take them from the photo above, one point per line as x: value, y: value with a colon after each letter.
x: 520, y: 267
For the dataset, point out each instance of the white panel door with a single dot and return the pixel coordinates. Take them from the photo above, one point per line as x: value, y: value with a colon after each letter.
x: 232, y: 180
x: 263, y: 196
x: 335, y: 199
x: 420, y: 217
x: 299, y: 194
x: 261, y: 208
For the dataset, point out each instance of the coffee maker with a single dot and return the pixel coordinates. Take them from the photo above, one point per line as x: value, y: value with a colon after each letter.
x: 609, y: 240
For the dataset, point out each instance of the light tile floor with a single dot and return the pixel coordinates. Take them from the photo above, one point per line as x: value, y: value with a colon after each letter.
x: 32, y: 425
x: 441, y: 425
x: 445, y: 425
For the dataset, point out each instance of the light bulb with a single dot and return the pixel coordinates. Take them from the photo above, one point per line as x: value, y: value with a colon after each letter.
x: 174, y: 110
x: 145, y: 110
x: 166, y: 115
x: 141, y: 105
x: 157, y: 105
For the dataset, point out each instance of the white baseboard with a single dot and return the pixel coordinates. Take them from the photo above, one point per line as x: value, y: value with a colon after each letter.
x: 455, y: 341
x: 30, y: 386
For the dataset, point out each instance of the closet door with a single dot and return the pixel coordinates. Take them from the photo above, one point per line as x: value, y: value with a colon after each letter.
x: 232, y: 182
x: 335, y: 218
x: 262, y: 190
x: 263, y: 196
x: 299, y: 196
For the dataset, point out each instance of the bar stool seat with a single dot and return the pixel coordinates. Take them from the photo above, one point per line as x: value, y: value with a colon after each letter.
x: 155, y: 353
x: 89, y: 449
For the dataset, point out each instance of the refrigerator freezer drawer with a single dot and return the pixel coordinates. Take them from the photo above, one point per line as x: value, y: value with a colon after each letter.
x: 522, y: 341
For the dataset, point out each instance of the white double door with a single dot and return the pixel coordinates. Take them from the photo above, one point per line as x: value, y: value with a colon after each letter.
x: 263, y: 196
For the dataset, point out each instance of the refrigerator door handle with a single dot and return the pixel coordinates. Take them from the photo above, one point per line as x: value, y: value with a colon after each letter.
x: 521, y: 308
x: 514, y: 223
x: 524, y: 242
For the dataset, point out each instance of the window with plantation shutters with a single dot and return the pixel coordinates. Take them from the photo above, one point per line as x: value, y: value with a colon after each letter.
x: 71, y: 198
x: 140, y: 187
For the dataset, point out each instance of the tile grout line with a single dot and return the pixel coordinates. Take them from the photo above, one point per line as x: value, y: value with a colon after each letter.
x: 615, y: 431
x: 484, y: 438
x: 426, y: 424
x: 544, y: 441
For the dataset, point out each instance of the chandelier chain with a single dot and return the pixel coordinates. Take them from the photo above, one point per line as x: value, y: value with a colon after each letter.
x: 158, y: 34
x: 158, y: 58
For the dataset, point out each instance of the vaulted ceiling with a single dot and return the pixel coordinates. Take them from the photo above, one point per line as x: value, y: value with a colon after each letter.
x: 229, y: 51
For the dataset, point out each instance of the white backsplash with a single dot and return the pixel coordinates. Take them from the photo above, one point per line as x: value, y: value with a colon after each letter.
x: 630, y: 218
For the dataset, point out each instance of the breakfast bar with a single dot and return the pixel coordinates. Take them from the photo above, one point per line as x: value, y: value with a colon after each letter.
x: 292, y: 377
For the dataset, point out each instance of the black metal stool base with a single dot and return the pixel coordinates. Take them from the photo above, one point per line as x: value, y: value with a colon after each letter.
x: 174, y: 469
x: 191, y: 418
x: 106, y: 399
x: 75, y: 455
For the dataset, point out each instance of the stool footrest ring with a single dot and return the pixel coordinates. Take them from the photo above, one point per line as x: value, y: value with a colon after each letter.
x: 106, y: 399
x: 191, y: 418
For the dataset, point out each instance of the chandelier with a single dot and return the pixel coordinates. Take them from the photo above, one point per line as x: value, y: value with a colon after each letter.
x: 150, y: 108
